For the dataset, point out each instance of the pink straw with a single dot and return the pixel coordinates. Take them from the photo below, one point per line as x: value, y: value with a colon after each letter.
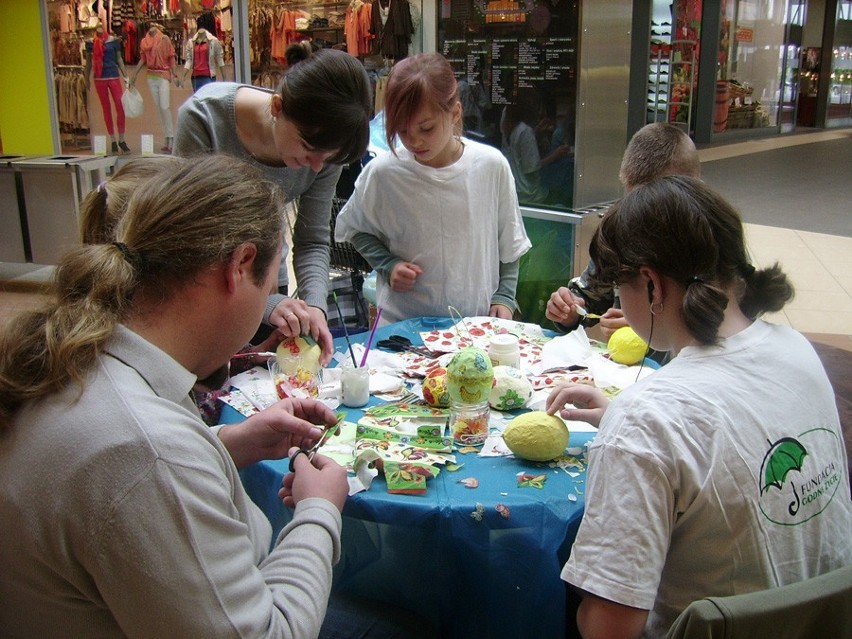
x: 370, y: 338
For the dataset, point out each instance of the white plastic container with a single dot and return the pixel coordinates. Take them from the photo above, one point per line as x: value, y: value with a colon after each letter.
x: 504, y: 350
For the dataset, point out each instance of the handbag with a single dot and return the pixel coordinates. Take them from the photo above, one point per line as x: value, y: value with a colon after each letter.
x: 132, y: 102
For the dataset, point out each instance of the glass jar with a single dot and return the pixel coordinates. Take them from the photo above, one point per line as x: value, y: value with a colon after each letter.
x: 355, y: 386
x: 469, y: 423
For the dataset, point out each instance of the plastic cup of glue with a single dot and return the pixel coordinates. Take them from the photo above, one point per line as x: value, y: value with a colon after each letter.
x: 355, y: 386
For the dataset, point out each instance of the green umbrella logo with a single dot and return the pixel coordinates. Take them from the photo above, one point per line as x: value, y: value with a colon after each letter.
x: 783, y: 456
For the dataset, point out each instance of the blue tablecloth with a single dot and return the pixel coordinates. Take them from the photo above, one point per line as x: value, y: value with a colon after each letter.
x: 449, y: 554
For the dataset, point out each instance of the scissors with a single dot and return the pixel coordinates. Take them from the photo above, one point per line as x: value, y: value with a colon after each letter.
x: 398, y: 343
x: 310, y: 452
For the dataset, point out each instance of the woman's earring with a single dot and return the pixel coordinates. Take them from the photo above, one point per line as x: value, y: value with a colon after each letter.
x: 657, y: 310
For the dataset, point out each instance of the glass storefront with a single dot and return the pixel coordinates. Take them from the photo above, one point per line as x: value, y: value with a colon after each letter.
x: 753, y: 64
x: 839, y: 108
x: 86, y: 40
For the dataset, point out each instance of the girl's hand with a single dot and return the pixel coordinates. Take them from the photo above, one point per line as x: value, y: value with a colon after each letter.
x: 501, y: 311
x: 403, y: 276
x: 590, y: 404
x: 318, y: 477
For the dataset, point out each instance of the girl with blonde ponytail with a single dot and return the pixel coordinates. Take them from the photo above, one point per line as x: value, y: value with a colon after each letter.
x: 123, y: 513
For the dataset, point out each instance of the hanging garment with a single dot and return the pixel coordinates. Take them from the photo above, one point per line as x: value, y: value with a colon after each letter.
x: 393, y: 33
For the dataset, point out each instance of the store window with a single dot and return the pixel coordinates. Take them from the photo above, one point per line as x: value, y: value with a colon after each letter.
x: 839, y: 111
x: 94, y: 45
x: 378, y: 33
x: 752, y: 63
x: 673, y: 67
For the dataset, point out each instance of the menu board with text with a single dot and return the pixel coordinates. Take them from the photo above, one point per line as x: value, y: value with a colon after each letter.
x: 516, y: 63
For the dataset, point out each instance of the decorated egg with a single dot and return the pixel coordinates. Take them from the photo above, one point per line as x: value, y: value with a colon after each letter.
x: 299, y: 354
x: 511, y: 389
x: 626, y: 347
x: 435, y: 388
x: 469, y: 376
x: 536, y: 436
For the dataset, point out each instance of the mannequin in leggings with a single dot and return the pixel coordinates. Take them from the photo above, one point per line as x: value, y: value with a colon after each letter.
x: 104, y: 62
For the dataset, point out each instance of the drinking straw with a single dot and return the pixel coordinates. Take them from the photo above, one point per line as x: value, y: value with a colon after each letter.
x: 370, y: 338
x: 345, y: 332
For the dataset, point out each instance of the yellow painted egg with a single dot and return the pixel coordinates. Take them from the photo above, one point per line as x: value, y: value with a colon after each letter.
x: 626, y: 347
x: 435, y: 388
x: 469, y: 376
x: 511, y: 389
x: 536, y: 436
x: 296, y: 354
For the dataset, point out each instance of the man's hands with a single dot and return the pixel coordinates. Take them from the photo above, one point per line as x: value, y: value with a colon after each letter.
x: 318, y: 477
x: 271, y: 433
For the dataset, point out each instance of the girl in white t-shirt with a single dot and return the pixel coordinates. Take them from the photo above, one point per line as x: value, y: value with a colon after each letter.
x: 438, y: 219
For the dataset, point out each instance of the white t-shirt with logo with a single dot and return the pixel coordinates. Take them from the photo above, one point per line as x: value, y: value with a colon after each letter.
x: 722, y: 473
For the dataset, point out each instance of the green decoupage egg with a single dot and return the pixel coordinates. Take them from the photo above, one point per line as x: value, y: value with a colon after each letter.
x: 536, y: 436
x: 511, y: 389
x: 469, y: 376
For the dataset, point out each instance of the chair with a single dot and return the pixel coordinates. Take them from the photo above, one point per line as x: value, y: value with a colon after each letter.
x: 347, y: 261
x: 817, y: 607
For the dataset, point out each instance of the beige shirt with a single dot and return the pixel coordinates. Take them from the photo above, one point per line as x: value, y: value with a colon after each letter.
x: 124, y: 515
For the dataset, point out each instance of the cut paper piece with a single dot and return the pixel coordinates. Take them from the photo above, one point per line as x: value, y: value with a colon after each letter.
x: 607, y: 373
x: 384, y: 383
x: 502, y: 510
x: 398, y: 452
x: 573, y: 349
x: 407, y: 478
x: 478, y: 331
x: 478, y: 512
x: 256, y: 385
x: 426, y: 437
x: 494, y: 446
x: 572, y: 497
x: 406, y: 409
x: 341, y: 446
x: 470, y: 482
x: 365, y: 471
x: 237, y: 400
x: 568, y: 461
x: 527, y: 480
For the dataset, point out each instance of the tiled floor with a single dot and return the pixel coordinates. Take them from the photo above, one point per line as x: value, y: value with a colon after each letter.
x: 820, y: 267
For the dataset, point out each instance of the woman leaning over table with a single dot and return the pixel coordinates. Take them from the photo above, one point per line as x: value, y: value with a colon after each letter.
x: 680, y: 503
x: 123, y: 513
x: 300, y: 136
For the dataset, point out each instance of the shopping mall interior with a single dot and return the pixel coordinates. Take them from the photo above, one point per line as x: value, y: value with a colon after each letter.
x: 793, y: 194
